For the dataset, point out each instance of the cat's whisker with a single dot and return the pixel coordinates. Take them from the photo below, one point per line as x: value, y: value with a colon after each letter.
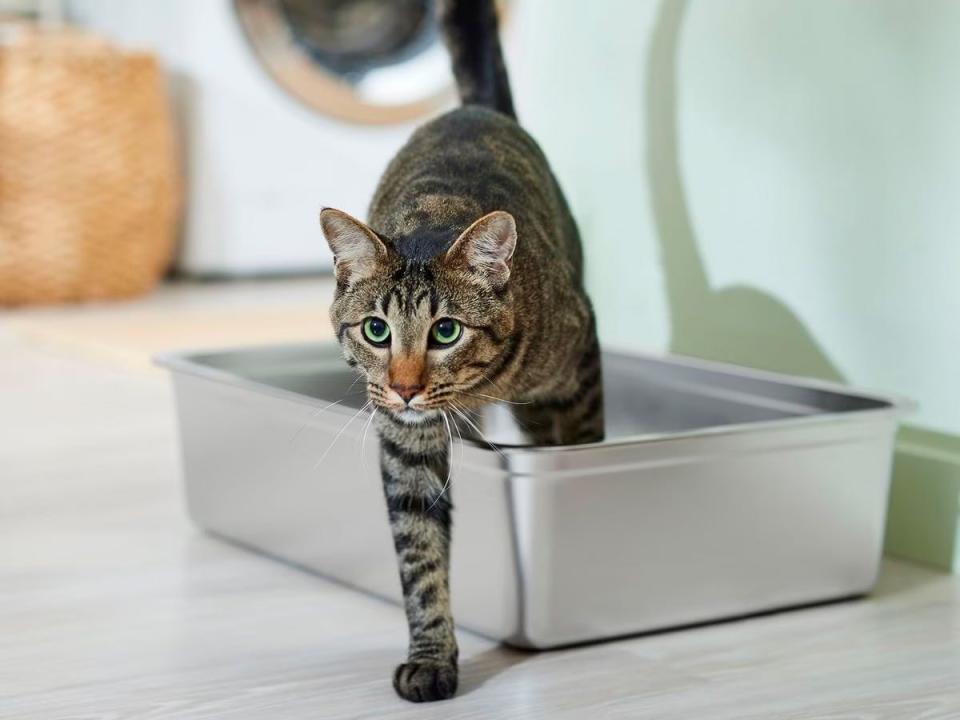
x: 446, y: 483
x: 346, y: 396
x: 495, y: 399
x: 337, y: 436
x: 459, y: 435
x: 363, y: 439
x: 491, y: 381
x: 473, y: 426
x: 313, y: 415
x: 480, y: 433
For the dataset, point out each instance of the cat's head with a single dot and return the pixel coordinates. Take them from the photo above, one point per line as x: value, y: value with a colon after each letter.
x: 428, y: 328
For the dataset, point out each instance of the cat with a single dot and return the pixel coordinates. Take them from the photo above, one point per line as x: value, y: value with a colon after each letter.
x: 466, y: 287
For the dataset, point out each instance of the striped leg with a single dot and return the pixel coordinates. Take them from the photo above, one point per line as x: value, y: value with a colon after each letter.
x: 414, y: 467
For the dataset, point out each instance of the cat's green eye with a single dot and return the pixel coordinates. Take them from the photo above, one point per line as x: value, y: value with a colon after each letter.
x: 446, y: 331
x: 376, y: 331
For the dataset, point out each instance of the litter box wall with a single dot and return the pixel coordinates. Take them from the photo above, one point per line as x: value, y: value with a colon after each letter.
x: 773, y: 185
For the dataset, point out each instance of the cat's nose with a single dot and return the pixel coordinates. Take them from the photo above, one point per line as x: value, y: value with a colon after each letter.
x: 407, y: 392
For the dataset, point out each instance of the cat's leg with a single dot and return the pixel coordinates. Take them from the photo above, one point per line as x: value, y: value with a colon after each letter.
x: 414, y: 462
x: 572, y: 418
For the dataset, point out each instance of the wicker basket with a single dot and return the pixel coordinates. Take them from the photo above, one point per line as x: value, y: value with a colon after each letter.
x: 89, y: 184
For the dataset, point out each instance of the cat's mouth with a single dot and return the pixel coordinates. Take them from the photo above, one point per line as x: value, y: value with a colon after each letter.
x: 413, y: 415
x: 411, y: 411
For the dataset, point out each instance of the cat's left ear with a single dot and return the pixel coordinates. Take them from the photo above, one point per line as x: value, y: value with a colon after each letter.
x: 486, y: 247
x: 357, y: 250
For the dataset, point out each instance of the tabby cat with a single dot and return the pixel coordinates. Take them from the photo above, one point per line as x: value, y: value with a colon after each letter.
x: 465, y: 288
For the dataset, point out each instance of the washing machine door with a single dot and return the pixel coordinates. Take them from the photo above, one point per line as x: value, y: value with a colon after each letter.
x: 365, y: 61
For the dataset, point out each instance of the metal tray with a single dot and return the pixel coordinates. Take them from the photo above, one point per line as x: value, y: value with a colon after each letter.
x: 719, y: 492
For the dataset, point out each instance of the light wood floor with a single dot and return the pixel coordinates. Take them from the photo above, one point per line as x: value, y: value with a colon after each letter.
x: 113, y: 606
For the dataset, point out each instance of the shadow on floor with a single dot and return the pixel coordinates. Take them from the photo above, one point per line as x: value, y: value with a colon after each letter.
x: 478, y: 669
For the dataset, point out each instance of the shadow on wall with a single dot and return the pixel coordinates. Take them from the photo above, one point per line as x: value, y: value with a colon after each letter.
x: 735, y: 324
x: 743, y: 325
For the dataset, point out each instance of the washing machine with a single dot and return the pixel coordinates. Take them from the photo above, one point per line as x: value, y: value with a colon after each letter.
x: 285, y: 106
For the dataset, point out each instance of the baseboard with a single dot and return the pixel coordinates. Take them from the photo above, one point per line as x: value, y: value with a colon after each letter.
x: 923, y: 523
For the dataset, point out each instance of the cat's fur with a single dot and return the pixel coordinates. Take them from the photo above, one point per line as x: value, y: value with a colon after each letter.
x: 468, y: 223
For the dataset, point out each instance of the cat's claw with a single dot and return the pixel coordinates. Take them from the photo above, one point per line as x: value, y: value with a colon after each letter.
x: 425, y: 681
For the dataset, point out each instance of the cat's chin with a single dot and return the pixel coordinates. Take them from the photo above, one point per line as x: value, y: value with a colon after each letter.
x: 411, y: 416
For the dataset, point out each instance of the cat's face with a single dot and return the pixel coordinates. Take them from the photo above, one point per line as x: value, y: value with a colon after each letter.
x: 427, y: 333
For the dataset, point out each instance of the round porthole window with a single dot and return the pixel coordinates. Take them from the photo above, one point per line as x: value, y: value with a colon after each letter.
x: 368, y: 61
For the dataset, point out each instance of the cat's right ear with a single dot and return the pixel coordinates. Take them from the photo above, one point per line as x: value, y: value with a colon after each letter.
x: 356, y: 248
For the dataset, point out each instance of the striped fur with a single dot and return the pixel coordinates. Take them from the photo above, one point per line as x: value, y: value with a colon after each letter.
x: 468, y: 223
x: 414, y: 466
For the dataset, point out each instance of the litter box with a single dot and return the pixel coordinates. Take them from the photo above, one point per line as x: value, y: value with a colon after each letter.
x: 719, y: 492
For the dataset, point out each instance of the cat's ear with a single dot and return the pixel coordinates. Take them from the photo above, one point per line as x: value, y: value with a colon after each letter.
x: 486, y: 247
x: 356, y: 248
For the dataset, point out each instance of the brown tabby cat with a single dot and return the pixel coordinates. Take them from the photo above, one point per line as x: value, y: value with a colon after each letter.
x: 465, y: 288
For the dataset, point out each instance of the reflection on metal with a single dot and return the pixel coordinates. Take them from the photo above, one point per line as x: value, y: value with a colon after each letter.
x: 368, y: 61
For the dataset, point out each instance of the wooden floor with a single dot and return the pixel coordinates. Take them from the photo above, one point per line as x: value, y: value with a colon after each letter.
x: 113, y: 606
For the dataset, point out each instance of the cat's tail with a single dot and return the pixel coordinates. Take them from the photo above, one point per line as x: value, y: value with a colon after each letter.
x: 470, y: 30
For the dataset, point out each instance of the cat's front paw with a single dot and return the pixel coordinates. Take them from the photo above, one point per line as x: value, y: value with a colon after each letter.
x: 425, y: 681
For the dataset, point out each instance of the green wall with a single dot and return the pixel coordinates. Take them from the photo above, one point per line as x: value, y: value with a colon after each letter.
x: 775, y: 185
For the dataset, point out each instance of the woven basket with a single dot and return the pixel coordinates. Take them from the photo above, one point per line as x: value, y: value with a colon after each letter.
x: 89, y: 184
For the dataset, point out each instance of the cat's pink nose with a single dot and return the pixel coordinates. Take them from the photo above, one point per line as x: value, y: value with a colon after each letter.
x: 407, y: 392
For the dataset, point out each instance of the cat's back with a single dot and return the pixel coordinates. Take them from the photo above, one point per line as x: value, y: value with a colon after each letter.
x: 466, y: 122
x: 470, y: 134
x: 460, y: 166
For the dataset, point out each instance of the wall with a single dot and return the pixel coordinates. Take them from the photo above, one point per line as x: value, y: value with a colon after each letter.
x: 773, y: 184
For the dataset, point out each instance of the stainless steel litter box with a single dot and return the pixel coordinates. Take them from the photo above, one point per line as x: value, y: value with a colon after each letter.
x: 719, y: 492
